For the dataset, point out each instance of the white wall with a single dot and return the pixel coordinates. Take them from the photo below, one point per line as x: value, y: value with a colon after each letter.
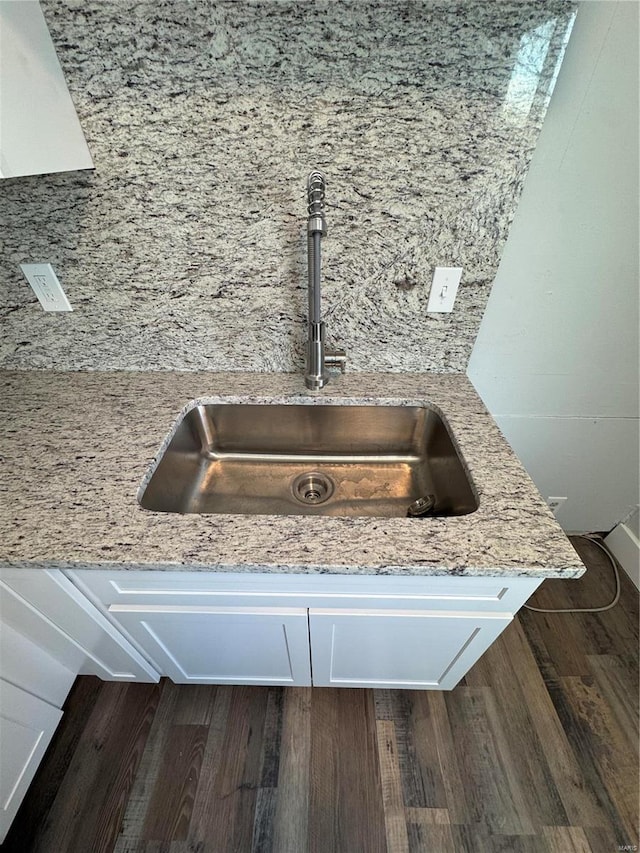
x: 556, y: 359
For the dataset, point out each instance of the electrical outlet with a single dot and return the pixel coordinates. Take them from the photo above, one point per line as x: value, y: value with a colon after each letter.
x: 444, y: 289
x: 46, y: 287
x: 555, y: 503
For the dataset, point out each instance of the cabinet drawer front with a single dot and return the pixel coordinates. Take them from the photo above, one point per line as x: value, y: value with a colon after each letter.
x: 214, y: 645
x: 231, y: 589
x: 398, y: 649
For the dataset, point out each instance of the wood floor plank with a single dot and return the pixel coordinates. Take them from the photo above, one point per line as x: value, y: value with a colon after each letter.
x: 566, y: 839
x: 611, y: 678
x: 226, y: 820
x: 104, y: 783
x: 600, y: 840
x: 478, y: 838
x: 607, y: 754
x: 417, y: 781
x: 324, y: 788
x: 361, y: 789
x: 606, y: 633
x: 580, y: 800
x: 429, y: 830
x: 542, y: 656
x: 101, y: 819
x: 272, y: 738
x: 164, y: 847
x: 394, y: 815
x: 495, y: 795
x: 440, y: 817
x: 206, y: 793
x: 149, y: 769
x: 267, y: 793
x: 169, y: 812
x: 262, y: 841
x: 346, y: 795
x: 627, y: 664
x: 454, y: 784
x: 385, y: 704
x: 418, y: 748
x: 195, y: 704
x: 425, y: 727
x: 563, y: 640
x: 291, y: 818
x: 425, y: 749
x: 533, y: 777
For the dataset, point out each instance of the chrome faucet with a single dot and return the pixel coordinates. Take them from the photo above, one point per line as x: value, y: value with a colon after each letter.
x: 319, y: 358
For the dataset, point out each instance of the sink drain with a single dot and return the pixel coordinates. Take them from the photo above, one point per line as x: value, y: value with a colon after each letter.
x: 313, y: 488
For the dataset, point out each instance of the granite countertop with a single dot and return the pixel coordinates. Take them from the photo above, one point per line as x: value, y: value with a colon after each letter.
x: 75, y: 447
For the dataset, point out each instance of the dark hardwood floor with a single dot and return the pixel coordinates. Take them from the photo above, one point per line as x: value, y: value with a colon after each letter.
x: 536, y: 751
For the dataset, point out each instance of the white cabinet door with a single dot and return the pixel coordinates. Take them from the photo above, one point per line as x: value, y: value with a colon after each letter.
x: 27, y: 725
x: 195, y: 644
x: 45, y: 606
x: 41, y: 132
x: 409, y: 649
x: 30, y: 667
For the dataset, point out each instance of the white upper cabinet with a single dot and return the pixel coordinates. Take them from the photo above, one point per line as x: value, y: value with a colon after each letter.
x: 39, y: 128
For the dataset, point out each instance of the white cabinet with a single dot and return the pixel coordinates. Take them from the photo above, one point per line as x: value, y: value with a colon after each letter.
x: 358, y: 631
x: 41, y: 132
x: 34, y: 669
x: 410, y: 649
x: 222, y: 645
x: 27, y: 724
x: 33, y: 687
x: 48, y: 609
x: 49, y: 633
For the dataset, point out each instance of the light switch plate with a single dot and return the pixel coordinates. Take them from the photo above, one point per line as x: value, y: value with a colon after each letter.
x: 444, y: 289
x: 46, y: 286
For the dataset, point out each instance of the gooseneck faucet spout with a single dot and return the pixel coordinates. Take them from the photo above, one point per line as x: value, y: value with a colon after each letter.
x: 318, y: 357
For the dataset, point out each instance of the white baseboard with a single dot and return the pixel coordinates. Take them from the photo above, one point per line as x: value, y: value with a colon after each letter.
x: 625, y: 547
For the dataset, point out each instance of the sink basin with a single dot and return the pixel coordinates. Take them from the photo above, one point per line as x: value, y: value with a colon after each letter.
x: 328, y: 460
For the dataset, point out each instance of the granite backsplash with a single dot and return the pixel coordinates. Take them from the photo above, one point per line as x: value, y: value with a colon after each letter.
x: 186, y: 248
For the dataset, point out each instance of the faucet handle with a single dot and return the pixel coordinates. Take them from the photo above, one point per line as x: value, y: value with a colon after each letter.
x: 336, y: 358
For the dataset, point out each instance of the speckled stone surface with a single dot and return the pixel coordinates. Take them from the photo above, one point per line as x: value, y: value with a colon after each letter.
x: 185, y: 249
x: 75, y: 448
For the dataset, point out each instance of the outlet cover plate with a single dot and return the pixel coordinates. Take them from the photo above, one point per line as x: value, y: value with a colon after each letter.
x: 554, y: 503
x: 46, y: 286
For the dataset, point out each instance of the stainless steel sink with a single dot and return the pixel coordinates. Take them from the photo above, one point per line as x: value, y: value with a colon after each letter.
x: 310, y: 460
